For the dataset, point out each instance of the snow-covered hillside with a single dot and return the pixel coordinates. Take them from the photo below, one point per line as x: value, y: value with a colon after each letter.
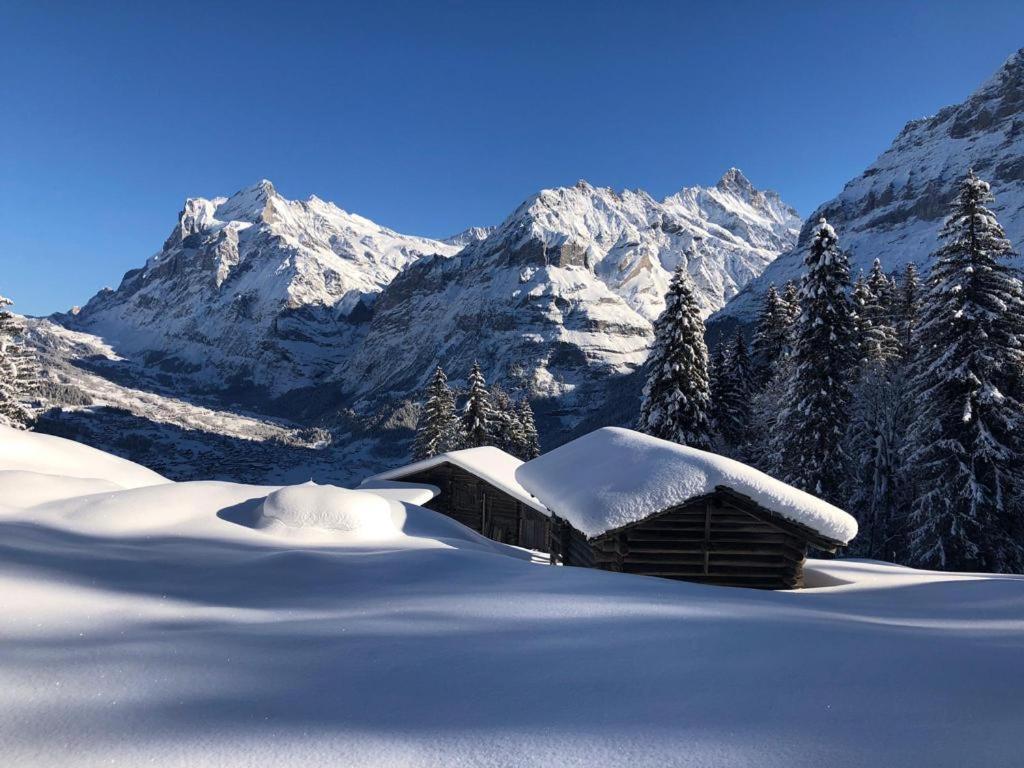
x: 254, y: 288
x: 894, y: 209
x: 208, y: 623
x: 562, y: 294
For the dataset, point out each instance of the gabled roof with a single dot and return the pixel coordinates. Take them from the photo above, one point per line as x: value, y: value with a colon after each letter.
x: 614, y: 477
x: 490, y: 464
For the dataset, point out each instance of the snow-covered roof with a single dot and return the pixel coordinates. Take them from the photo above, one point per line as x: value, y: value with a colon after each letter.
x: 613, y: 477
x: 490, y: 464
x: 396, y: 490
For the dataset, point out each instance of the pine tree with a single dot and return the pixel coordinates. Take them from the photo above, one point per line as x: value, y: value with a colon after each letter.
x: 435, y: 432
x: 824, y: 356
x: 17, y: 371
x: 733, y: 407
x: 676, y: 398
x: 530, y: 446
x: 478, y: 419
x: 772, y: 337
x: 965, y: 453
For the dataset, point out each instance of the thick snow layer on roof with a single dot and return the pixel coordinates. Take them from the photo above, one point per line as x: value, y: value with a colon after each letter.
x: 49, y: 455
x: 396, y: 490
x: 488, y: 463
x: 613, y: 477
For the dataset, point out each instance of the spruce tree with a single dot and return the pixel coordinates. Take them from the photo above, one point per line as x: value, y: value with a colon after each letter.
x: 478, y: 419
x: 824, y: 356
x: 506, y: 430
x: 676, y: 397
x: 965, y: 453
x: 791, y: 300
x: 908, y: 307
x: 530, y: 446
x: 436, y: 430
x: 772, y: 337
x: 17, y: 371
x: 733, y: 408
x: 883, y: 338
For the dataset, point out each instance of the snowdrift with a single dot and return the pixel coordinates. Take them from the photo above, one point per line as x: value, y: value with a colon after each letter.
x: 165, y: 625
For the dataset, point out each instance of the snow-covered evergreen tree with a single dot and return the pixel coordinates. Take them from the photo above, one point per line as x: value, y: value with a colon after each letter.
x: 676, y: 398
x: 908, y: 307
x: 530, y: 445
x: 772, y: 336
x: 478, y: 418
x: 875, y: 437
x: 791, y: 300
x: 506, y: 429
x: 733, y: 407
x: 882, y: 341
x: 437, y: 426
x: 965, y: 457
x: 17, y: 371
x: 824, y: 356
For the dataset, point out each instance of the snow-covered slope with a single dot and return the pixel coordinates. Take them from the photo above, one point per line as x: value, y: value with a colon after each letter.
x: 254, y: 288
x: 562, y: 294
x: 182, y: 625
x: 894, y: 209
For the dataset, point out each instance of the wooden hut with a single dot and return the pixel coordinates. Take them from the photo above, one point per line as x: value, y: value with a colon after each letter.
x: 628, y: 502
x: 478, y: 487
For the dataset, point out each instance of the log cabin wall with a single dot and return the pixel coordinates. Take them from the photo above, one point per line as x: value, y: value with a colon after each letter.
x: 485, y: 508
x: 710, y: 540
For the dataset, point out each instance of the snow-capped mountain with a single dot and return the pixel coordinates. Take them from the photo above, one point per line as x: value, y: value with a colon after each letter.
x: 254, y: 288
x: 893, y: 210
x: 469, y: 236
x: 562, y: 294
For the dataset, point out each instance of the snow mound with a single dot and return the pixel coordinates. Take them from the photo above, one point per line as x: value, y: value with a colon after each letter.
x: 613, y: 477
x: 22, y: 489
x: 327, y: 507
x: 49, y: 455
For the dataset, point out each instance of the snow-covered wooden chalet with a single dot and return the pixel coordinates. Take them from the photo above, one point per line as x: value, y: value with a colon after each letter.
x: 624, y: 501
x: 478, y: 487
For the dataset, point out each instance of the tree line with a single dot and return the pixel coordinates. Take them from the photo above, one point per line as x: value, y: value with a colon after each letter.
x: 896, y: 397
x: 488, y: 416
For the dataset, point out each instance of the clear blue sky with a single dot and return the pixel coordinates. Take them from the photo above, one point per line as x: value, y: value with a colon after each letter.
x: 431, y: 117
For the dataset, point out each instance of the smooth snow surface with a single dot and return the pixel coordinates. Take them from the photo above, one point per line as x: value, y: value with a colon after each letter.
x: 45, y: 454
x: 309, y: 505
x: 614, y: 476
x: 161, y: 626
x: 488, y: 463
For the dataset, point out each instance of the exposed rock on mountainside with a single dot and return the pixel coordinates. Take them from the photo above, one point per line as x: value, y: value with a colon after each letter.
x: 561, y: 295
x: 894, y: 209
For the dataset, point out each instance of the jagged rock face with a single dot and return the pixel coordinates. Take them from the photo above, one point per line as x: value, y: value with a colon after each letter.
x: 255, y: 288
x: 561, y: 296
x: 893, y: 211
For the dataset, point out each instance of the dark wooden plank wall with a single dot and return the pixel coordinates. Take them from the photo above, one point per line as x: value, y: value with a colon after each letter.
x: 706, y: 540
x: 485, y: 508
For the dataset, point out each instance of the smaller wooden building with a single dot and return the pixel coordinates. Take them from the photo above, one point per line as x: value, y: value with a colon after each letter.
x: 628, y: 502
x: 478, y: 488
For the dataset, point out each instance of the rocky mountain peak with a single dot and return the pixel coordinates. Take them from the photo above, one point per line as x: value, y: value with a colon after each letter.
x: 893, y: 210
